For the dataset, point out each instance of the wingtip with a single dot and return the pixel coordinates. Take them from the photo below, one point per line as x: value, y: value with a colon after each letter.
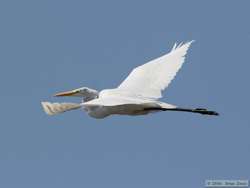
x: 174, y: 47
x: 46, y: 108
x: 189, y: 43
x: 181, y: 44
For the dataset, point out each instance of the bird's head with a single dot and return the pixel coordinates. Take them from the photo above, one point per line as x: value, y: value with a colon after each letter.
x: 86, y: 93
x: 80, y: 92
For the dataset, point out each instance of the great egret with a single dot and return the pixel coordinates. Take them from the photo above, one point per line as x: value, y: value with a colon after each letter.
x: 138, y: 94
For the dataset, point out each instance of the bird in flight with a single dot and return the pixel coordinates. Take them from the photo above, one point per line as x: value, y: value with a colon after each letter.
x: 138, y: 94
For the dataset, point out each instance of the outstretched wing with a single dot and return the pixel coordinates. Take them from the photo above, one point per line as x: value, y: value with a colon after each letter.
x: 150, y: 79
x: 57, y: 108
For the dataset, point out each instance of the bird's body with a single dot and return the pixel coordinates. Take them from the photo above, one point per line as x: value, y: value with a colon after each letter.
x: 114, y: 101
x: 138, y: 94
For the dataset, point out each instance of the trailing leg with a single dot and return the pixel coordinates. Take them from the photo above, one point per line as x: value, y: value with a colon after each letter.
x: 196, y: 110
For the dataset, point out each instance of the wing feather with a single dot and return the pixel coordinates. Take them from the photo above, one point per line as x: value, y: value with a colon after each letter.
x: 150, y: 79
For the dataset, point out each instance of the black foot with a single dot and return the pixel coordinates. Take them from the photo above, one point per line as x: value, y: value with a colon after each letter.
x: 205, y: 112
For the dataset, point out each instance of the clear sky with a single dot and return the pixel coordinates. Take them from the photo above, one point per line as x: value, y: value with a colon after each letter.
x: 49, y: 46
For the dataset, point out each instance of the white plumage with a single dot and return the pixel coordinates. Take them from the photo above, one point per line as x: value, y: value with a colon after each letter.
x: 153, y: 77
x: 136, y: 95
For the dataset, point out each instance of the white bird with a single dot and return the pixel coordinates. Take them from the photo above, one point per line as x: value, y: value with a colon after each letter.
x: 138, y: 94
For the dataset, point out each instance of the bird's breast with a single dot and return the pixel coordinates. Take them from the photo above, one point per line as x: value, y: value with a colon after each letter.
x: 96, y: 111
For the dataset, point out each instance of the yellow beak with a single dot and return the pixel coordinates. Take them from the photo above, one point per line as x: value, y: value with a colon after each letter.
x: 66, y: 93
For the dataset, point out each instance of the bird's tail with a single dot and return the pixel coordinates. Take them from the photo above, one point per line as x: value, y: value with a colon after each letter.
x: 57, y: 108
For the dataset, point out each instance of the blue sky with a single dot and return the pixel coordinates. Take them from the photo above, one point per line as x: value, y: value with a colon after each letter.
x: 51, y: 46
